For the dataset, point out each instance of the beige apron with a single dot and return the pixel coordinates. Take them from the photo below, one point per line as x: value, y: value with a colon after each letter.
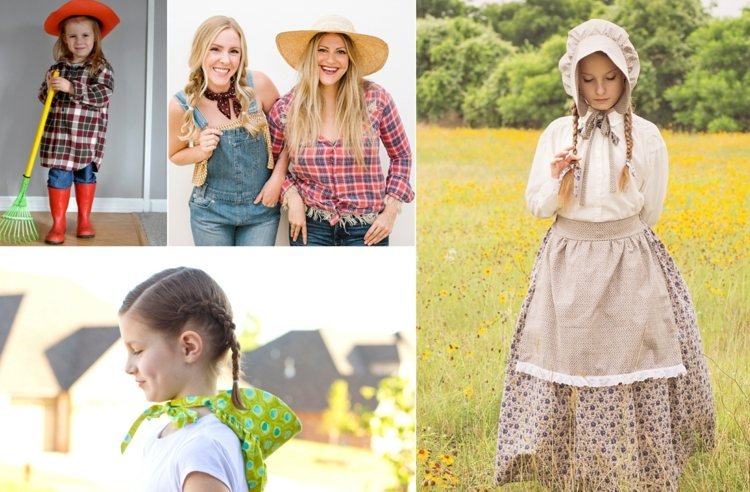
x: 600, y: 314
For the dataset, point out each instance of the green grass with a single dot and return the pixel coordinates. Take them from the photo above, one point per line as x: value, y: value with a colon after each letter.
x: 475, y: 252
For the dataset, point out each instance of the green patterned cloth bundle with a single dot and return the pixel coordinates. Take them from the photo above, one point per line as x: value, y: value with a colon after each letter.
x: 265, y: 424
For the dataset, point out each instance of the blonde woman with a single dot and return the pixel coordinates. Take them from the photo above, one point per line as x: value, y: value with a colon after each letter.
x: 218, y: 123
x: 329, y: 125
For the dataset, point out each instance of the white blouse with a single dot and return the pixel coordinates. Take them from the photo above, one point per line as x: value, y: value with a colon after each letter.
x: 650, y: 161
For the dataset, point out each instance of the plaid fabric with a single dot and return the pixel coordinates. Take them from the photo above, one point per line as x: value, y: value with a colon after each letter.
x: 326, y: 174
x: 74, y: 134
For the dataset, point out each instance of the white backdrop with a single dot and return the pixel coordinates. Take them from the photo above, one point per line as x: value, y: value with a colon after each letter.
x: 391, y: 20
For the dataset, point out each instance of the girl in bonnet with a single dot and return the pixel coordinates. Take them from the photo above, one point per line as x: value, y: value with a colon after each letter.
x: 606, y: 386
x: 329, y: 126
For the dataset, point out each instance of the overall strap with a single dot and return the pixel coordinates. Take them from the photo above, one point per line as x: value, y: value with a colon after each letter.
x: 254, y: 103
x: 198, y: 117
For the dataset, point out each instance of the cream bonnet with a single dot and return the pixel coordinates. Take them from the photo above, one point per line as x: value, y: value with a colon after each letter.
x: 612, y: 40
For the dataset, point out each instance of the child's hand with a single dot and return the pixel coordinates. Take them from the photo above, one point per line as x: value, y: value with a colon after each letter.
x: 59, y: 84
x: 208, y: 140
x: 562, y: 160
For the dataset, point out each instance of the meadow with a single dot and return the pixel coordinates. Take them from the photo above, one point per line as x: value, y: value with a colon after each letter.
x: 476, y: 245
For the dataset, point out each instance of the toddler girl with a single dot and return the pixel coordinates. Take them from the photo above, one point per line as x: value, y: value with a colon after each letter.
x: 73, y: 141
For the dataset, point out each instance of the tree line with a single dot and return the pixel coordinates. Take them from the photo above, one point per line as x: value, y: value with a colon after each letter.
x: 496, y: 65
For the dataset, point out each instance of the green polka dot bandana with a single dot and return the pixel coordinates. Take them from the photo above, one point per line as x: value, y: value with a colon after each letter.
x: 265, y: 424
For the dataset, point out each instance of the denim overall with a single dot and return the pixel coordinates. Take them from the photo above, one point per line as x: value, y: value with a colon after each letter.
x: 222, y: 212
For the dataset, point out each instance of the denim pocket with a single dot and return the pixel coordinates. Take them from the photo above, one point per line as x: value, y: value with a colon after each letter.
x: 200, y: 200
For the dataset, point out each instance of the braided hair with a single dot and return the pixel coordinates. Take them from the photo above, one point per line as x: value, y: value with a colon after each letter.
x: 566, y: 187
x: 168, y: 300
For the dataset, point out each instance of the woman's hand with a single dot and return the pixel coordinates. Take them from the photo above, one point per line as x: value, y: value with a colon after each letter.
x: 59, y: 84
x: 563, y: 159
x: 208, y: 140
x: 297, y: 217
x: 269, y: 195
x: 383, y: 225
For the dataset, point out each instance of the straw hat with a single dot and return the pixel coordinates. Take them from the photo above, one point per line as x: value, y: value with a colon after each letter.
x: 372, y: 51
x: 90, y: 8
x: 599, y: 35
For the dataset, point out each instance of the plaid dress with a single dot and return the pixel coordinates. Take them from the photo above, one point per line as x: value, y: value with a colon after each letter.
x: 326, y: 174
x: 76, y: 127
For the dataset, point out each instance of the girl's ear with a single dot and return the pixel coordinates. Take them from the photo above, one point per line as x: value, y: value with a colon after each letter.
x: 191, y: 345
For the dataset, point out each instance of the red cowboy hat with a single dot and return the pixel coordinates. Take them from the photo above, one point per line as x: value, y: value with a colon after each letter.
x: 90, y: 8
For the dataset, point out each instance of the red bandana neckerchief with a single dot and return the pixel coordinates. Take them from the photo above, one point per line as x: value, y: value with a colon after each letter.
x: 222, y: 101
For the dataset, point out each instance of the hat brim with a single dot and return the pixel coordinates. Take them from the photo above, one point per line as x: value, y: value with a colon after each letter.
x: 107, y: 17
x: 604, y: 44
x: 372, y: 51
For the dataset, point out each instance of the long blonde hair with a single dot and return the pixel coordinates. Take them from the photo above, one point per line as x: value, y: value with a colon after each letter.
x: 566, y: 187
x: 304, y: 117
x: 197, y: 80
x: 96, y: 58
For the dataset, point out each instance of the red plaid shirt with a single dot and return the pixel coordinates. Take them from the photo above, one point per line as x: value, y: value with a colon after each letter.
x: 327, y: 175
x: 76, y: 127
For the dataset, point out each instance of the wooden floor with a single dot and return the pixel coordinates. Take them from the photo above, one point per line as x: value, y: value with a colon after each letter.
x: 111, y: 230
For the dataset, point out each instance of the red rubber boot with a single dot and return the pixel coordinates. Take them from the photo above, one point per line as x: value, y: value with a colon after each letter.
x: 58, y: 205
x: 85, y: 199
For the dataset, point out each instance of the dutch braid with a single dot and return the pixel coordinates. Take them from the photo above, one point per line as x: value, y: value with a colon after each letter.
x: 169, y: 299
x: 228, y: 339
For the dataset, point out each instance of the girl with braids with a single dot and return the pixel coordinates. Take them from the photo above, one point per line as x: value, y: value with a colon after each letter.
x: 330, y: 125
x: 606, y: 386
x: 218, y: 123
x: 177, y: 327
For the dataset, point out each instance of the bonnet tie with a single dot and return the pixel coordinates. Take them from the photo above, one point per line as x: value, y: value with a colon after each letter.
x: 262, y: 427
x: 600, y: 120
x: 222, y: 101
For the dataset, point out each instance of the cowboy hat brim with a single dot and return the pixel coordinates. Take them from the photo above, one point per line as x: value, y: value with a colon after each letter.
x: 90, y: 8
x: 372, y: 51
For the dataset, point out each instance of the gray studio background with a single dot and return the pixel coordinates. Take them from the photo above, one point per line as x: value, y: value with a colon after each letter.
x: 133, y: 173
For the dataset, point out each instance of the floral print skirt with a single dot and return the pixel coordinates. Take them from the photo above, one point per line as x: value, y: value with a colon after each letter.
x: 620, y: 437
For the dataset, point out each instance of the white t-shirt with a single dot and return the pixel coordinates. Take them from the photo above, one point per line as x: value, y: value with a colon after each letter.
x: 650, y: 160
x: 206, y: 446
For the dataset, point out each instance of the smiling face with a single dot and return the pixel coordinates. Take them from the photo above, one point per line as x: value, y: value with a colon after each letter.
x: 79, y: 38
x: 154, y: 360
x: 600, y: 81
x: 222, y: 60
x: 332, y: 58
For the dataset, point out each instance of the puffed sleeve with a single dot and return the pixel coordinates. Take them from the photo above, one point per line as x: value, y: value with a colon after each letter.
x: 654, y: 186
x: 542, y: 189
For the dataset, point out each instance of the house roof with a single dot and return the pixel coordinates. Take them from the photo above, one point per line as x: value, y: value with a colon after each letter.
x: 71, y: 357
x: 8, y: 309
x: 300, y: 366
x: 50, y: 310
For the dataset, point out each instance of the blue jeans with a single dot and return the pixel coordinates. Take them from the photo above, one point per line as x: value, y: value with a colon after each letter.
x: 321, y: 233
x: 62, y: 179
x: 218, y: 223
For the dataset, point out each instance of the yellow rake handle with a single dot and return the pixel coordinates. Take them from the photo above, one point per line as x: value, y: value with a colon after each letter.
x: 40, y: 129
